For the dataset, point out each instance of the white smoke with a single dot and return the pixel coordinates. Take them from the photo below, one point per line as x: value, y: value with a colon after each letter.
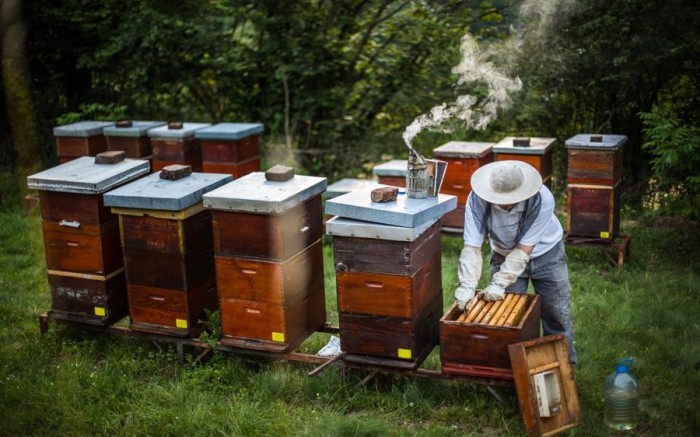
x: 478, y: 67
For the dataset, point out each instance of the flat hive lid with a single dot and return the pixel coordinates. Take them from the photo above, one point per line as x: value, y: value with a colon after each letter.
x: 136, y: 130
x: 538, y: 146
x: 344, y: 227
x: 83, y: 176
x: 395, y: 167
x: 187, y: 131
x: 347, y: 185
x: 82, y: 129
x: 229, y: 131
x: 154, y: 193
x: 585, y: 142
x: 253, y: 193
x: 463, y: 149
x: 404, y: 212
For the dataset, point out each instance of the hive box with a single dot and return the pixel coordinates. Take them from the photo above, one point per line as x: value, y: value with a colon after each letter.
x: 269, y: 260
x: 84, y: 138
x: 463, y: 158
x: 166, y: 237
x: 392, y: 172
x: 175, y: 143
x: 232, y: 148
x: 538, y: 153
x: 595, y: 159
x: 81, y: 238
x: 481, y: 350
x: 131, y: 137
x: 593, y: 211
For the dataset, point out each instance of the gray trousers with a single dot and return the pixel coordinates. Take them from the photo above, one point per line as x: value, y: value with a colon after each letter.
x: 550, y: 279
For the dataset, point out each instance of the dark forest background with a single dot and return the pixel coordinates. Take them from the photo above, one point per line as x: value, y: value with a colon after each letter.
x: 336, y: 83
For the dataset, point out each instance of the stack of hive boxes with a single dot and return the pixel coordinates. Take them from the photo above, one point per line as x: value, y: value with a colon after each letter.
x: 388, y: 275
x: 232, y: 148
x: 269, y: 259
x: 84, y: 138
x: 131, y: 137
x: 81, y: 236
x: 594, y: 177
x: 175, y: 143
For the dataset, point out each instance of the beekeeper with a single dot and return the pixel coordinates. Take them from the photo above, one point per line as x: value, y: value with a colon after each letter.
x: 509, y: 204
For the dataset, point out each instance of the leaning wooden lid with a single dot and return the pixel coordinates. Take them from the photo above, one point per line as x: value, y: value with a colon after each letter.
x: 87, y: 175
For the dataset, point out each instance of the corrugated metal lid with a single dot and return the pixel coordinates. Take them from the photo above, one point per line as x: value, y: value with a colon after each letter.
x: 590, y: 142
x: 345, y: 227
x: 154, y: 193
x: 254, y: 193
x: 538, y: 146
x: 229, y: 131
x: 187, y: 131
x: 136, y: 130
x: 463, y: 149
x: 83, y: 176
x: 404, y: 212
x: 395, y: 167
x: 82, y: 129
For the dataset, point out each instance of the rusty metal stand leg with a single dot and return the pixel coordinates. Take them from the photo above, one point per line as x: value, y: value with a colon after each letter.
x: 180, y: 347
x: 43, y: 324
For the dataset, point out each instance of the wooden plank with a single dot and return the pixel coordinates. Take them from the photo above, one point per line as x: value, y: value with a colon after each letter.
x: 509, y: 307
x: 518, y: 310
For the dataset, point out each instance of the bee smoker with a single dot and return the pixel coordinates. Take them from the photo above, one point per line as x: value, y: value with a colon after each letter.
x: 423, y: 176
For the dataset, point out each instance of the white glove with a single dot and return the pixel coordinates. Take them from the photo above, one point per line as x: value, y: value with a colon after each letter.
x: 513, y: 266
x: 468, y: 273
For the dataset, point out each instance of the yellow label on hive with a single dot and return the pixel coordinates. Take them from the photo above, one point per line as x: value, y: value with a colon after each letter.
x: 405, y: 353
x: 278, y: 336
x: 604, y: 234
x: 181, y: 323
x: 99, y: 311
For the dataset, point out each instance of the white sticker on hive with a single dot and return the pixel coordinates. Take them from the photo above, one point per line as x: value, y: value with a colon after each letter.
x: 404, y: 353
x: 99, y: 311
x: 181, y: 323
x: 604, y: 234
x: 278, y: 336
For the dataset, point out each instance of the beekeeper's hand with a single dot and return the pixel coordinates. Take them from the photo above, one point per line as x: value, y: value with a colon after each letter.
x: 468, y: 273
x: 513, y: 266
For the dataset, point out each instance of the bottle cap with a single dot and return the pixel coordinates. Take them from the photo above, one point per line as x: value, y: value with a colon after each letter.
x: 623, y: 366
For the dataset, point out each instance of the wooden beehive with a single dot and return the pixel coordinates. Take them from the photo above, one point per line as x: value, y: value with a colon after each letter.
x: 131, y: 137
x: 166, y: 237
x: 475, y: 343
x: 463, y: 158
x: 593, y: 211
x: 84, y: 138
x: 594, y: 159
x: 388, y: 276
x: 392, y: 172
x: 535, y: 151
x: 175, y: 143
x: 232, y: 148
x: 269, y: 260
x: 81, y: 238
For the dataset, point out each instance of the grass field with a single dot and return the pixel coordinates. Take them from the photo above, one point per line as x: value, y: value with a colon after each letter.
x: 75, y: 382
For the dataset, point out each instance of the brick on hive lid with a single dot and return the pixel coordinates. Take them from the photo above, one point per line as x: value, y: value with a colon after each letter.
x: 123, y: 124
x: 175, y: 171
x: 521, y: 142
x: 279, y: 173
x: 384, y: 194
x: 175, y: 125
x: 110, y: 157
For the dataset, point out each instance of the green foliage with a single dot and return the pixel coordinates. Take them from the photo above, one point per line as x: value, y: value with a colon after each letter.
x: 675, y: 148
x: 93, y: 111
x: 213, y: 324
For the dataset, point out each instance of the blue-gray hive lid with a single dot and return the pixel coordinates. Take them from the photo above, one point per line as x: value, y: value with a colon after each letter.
x: 253, y: 193
x: 345, y: 227
x: 82, y: 129
x: 585, y: 142
x: 187, y: 131
x: 136, y: 130
x: 463, y: 149
x: 404, y: 212
x: 154, y: 193
x: 229, y: 131
x: 395, y: 167
x: 83, y: 176
x: 538, y: 146
x: 347, y: 185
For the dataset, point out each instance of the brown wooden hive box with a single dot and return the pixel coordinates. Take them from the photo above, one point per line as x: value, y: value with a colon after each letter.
x: 133, y: 147
x: 93, y: 250
x: 236, y: 169
x: 232, y: 148
x: 477, y: 345
x: 93, y: 299
x: 83, y: 138
x: 268, y: 236
x: 168, y: 151
x: 594, y: 167
x: 543, y: 163
x: 593, y: 211
x: 271, y: 305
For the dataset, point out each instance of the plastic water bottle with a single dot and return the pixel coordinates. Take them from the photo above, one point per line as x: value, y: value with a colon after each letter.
x: 621, y: 397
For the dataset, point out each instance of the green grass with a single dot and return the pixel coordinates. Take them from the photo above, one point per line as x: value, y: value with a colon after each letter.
x: 75, y: 382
